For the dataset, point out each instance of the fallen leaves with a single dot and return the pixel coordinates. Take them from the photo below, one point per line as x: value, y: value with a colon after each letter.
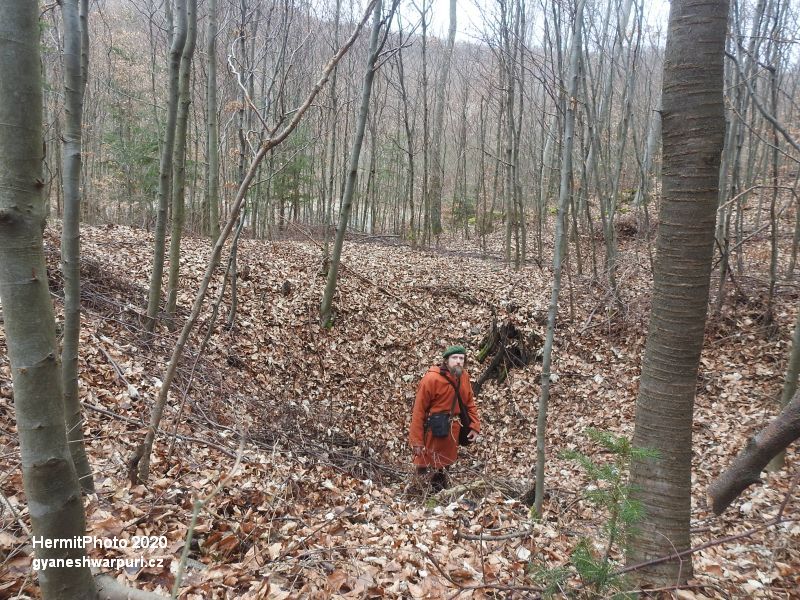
x: 318, y: 508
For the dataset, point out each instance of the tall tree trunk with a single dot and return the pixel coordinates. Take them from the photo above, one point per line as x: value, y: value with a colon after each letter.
x: 212, y: 127
x: 233, y: 271
x: 179, y: 156
x: 437, y: 168
x: 330, y: 159
x: 165, y: 166
x: 693, y: 131
x: 558, y: 251
x: 352, y: 175
x: 48, y: 475
x: 75, y: 72
x: 426, y: 196
x: 412, y: 226
x: 510, y: 94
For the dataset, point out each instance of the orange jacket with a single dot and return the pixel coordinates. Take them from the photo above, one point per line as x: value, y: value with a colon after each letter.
x: 435, y: 394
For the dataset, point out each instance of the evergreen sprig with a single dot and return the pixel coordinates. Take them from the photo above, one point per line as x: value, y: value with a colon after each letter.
x: 612, y: 493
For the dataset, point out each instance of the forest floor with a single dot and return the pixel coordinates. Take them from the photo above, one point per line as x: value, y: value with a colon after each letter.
x: 321, y: 505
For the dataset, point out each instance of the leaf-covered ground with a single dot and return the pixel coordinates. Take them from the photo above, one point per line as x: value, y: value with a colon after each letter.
x: 323, y: 505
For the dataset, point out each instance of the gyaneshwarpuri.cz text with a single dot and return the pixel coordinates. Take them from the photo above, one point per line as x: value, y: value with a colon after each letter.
x: 42, y: 564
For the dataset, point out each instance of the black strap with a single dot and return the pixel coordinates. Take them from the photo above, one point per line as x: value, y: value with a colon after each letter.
x: 462, y: 410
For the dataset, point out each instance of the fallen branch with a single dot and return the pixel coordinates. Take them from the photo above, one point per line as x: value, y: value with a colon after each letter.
x: 777, y: 520
x: 484, y: 586
x: 138, y: 423
x: 677, y: 587
x: 114, y: 364
x: 482, y: 537
x: 746, y: 468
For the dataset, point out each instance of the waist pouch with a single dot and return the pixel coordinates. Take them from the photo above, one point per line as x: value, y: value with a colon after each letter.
x: 439, y: 424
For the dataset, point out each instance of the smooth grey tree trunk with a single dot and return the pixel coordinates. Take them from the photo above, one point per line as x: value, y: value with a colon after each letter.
x: 437, y: 168
x: 509, y: 78
x: 413, y: 229
x: 330, y: 151
x: 693, y: 128
x: 424, y: 8
x: 212, y: 127
x: 558, y: 251
x: 599, y: 123
x: 51, y: 485
x: 352, y: 175
x: 75, y: 71
x: 179, y: 156
x: 165, y: 166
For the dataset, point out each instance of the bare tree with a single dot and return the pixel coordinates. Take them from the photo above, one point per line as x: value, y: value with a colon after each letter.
x: 179, y: 156
x: 435, y: 192
x: 212, y: 125
x: 76, y: 62
x: 375, y: 46
x: 558, y: 250
x: 139, y: 462
x: 693, y: 130
x: 165, y: 167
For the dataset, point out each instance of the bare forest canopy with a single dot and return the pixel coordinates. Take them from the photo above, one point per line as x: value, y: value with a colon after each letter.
x: 497, y: 154
x: 282, y: 44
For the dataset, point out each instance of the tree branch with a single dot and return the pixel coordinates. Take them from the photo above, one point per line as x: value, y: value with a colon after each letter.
x: 746, y: 468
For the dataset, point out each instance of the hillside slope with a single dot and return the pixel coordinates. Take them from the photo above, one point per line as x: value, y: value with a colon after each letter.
x: 321, y: 505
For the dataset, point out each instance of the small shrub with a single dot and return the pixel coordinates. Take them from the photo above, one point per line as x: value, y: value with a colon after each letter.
x: 612, y: 494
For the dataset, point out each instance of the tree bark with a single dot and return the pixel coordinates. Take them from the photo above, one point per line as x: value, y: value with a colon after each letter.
x: 75, y: 71
x: 693, y: 130
x: 437, y: 168
x: 48, y: 475
x: 165, y: 167
x: 558, y: 251
x: 789, y: 386
x: 179, y: 155
x: 746, y: 468
x: 212, y: 127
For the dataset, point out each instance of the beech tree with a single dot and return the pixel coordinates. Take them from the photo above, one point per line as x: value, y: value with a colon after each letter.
x: 55, y: 504
x: 51, y: 485
x: 165, y: 166
x: 435, y: 191
x: 212, y: 124
x: 179, y: 155
x: 693, y: 127
x: 76, y: 61
x: 558, y: 249
x: 139, y: 461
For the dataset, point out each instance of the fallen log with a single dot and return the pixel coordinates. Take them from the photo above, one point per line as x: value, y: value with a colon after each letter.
x: 745, y: 470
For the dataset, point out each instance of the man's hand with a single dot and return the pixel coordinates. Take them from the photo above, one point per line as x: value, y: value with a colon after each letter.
x: 473, y: 435
x: 417, y: 450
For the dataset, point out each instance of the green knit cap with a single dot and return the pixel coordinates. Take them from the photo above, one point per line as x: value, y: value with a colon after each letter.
x: 454, y: 350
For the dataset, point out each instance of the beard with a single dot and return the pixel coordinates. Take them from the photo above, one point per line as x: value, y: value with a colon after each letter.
x: 457, y: 371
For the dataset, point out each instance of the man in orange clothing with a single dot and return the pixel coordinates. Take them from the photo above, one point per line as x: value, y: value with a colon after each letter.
x: 444, y: 400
